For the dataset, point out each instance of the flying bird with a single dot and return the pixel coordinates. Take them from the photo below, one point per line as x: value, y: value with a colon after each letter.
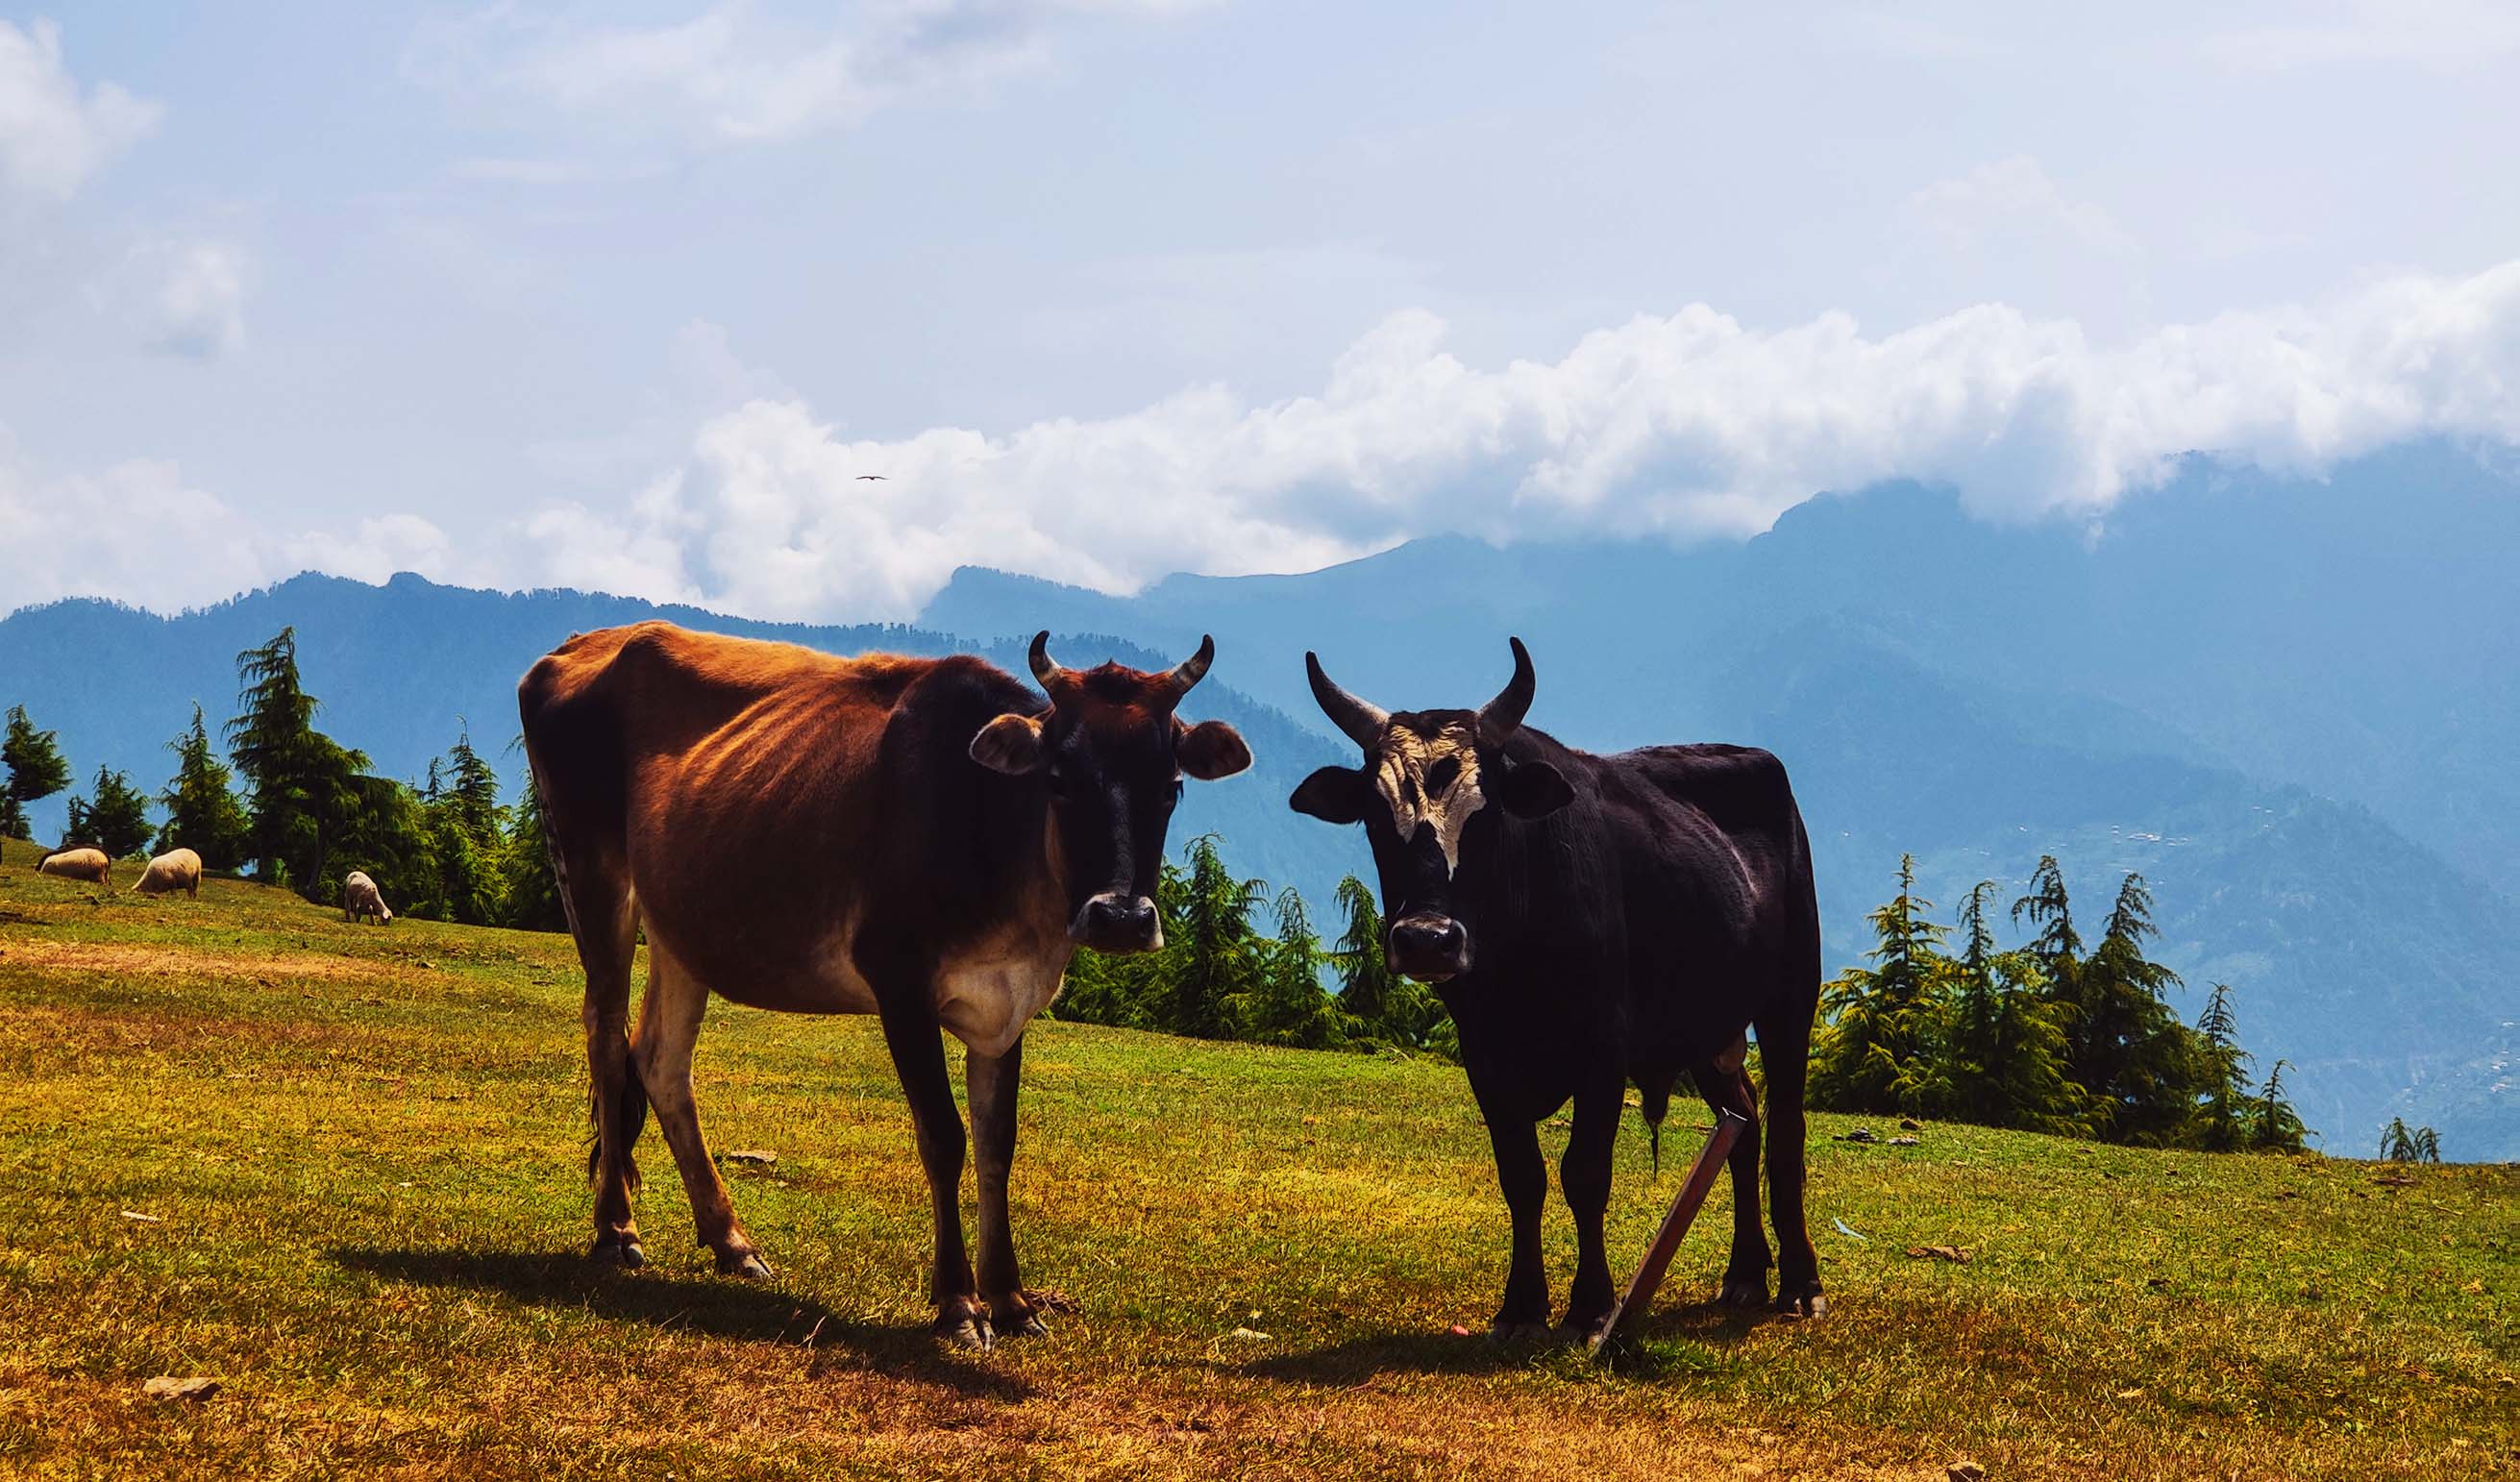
x: 870, y: 477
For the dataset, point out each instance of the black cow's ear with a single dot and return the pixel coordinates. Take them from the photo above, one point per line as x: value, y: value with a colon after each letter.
x: 1209, y: 750
x: 1010, y: 743
x: 1334, y: 795
x: 1533, y: 790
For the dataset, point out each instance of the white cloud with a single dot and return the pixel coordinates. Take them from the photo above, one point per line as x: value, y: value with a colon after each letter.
x: 1684, y: 427
x: 198, y: 308
x: 737, y: 72
x: 52, y: 135
x: 2439, y: 35
x: 2012, y: 197
x: 138, y: 533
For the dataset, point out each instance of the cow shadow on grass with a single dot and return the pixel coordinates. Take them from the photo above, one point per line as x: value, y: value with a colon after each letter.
x: 713, y: 1305
x: 1676, y: 1341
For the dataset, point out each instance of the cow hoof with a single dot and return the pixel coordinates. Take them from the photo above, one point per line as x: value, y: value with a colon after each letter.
x: 1743, y: 1292
x: 1806, y: 1304
x: 1019, y: 1322
x: 745, y: 1264
x: 1577, y: 1330
x: 1507, y: 1332
x: 617, y: 1250
x: 964, y: 1330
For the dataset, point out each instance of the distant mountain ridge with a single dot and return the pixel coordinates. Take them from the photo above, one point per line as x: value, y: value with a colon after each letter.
x: 2292, y: 703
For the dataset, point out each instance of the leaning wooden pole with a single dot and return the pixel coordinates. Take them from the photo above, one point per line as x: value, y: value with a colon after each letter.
x: 1728, y: 1126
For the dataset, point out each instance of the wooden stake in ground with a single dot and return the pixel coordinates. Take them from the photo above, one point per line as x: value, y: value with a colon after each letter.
x: 1666, y: 1242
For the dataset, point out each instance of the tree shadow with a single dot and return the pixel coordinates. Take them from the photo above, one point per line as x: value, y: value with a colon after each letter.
x: 1667, y: 1341
x: 714, y: 1305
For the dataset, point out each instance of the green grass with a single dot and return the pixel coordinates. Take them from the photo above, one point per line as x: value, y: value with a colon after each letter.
x: 365, y: 1148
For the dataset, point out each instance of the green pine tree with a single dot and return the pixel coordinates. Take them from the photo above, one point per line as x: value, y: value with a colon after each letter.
x: 2275, y: 1126
x: 1285, y: 1004
x: 115, y: 821
x: 2006, y: 1055
x: 1881, y: 1048
x: 528, y: 884
x: 203, y: 813
x: 35, y: 770
x: 2222, y: 1120
x: 1216, y: 956
x: 2140, y: 1065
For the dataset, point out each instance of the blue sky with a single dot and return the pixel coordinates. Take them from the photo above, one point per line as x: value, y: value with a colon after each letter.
x: 631, y: 295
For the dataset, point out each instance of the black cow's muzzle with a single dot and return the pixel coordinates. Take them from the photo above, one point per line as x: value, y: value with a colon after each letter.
x: 1116, y: 922
x: 1430, y: 947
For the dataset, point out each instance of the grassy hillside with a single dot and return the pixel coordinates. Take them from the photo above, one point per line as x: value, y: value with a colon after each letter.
x: 362, y: 1147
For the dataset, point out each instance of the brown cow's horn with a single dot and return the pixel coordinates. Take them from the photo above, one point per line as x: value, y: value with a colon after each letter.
x: 1501, y: 716
x: 1361, y: 723
x: 1043, y: 665
x: 1193, y: 668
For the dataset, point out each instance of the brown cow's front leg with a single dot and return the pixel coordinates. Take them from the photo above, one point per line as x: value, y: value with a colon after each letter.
x: 992, y: 1081
x: 1584, y: 1178
x: 911, y: 1034
x: 1524, y: 1179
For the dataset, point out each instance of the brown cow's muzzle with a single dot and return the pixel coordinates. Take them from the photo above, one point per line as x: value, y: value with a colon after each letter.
x: 1429, y: 948
x: 1115, y: 923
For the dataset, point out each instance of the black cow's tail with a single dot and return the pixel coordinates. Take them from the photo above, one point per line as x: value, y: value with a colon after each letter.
x: 1653, y: 1098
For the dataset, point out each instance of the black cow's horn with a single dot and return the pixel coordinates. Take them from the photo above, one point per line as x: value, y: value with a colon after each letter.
x: 1361, y: 723
x: 1043, y: 665
x: 1501, y: 716
x: 1193, y: 668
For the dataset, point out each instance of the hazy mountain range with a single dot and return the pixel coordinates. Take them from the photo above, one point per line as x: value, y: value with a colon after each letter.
x: 2293, y: 704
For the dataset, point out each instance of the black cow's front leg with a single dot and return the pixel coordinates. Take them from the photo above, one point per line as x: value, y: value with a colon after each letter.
x: 910, y: 1032
x: 1524, y: 1177
x: 1583, y: 1177
x: 992, y: 1081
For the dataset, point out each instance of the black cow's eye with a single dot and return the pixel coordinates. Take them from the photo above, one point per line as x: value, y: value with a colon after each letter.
x: 1408, y: 791
x: 1439, y: 776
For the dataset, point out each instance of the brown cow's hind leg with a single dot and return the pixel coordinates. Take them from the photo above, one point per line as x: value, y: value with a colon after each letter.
x: 669, y: 1026
x: 604, y: 924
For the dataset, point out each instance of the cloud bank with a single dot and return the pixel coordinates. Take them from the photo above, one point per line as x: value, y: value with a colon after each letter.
x: 1686, y: 427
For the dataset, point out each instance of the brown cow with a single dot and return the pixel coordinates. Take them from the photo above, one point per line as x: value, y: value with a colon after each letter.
x: 361, y: 898
x: 923, y: 839
x: 174, y: 870
x: 80, y: 863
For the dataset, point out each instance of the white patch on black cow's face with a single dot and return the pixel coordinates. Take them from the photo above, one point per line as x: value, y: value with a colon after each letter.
x: 1431, y: 780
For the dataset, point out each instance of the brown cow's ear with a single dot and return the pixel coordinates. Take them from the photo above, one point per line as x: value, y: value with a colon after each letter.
x: 1209, y: 750
x: 1335, y: 795
x: 1010, y: 743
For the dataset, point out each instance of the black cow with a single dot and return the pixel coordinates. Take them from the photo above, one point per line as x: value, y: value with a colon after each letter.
x: 1591, y: 921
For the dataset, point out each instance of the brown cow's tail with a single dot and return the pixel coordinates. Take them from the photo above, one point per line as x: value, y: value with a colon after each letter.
x: 630, y: 1118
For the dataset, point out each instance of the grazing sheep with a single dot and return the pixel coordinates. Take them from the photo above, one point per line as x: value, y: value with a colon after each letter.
x: 175, y: 869
x: 83, y: 863
x: 360, y: 897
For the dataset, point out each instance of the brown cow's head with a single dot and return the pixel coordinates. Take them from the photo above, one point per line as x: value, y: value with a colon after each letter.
x: 1430, y: 792
x: 1113, y: 755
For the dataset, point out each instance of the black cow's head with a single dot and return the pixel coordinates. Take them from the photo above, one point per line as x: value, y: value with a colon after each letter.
x: 1432, y: 787
x: 1112, y: 755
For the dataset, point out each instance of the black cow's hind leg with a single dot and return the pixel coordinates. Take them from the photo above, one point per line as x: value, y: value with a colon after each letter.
x: 1524, y: 1177
x: 911, y: 1034
x: 1583, y: 1177
x: 992, y: 1083
x: 1727, y: 1088
x: 1784, y: 1049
